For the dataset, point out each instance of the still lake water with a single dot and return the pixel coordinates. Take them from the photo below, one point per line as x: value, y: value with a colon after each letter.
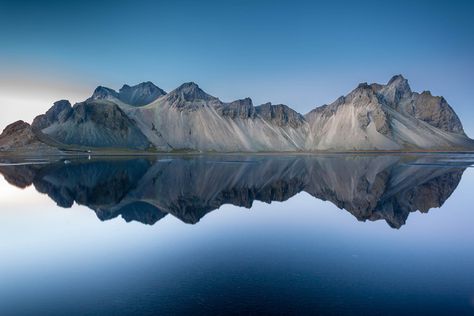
x: 198, y: 235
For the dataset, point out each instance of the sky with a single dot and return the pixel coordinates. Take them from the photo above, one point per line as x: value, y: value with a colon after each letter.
x: 300, y: 53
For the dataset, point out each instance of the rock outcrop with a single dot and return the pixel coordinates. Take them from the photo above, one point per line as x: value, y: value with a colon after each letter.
x: 243, y: 109
x: 19, y: 137
x: 280, y: 115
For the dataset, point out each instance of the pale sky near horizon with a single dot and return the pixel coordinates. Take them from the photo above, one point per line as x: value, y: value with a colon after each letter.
x: 300, y: 53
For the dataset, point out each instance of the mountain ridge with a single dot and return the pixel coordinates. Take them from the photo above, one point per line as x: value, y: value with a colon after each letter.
x: 144, y: 117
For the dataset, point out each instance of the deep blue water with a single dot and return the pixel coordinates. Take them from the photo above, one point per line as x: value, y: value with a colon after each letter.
x: 343, y: 235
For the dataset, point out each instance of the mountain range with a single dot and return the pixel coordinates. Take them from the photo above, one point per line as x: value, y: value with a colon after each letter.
x: 144, y: 117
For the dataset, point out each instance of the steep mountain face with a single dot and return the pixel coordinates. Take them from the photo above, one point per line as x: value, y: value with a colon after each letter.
x: 280, y: 115
x: 190, y: 119
x: 243, y: 109
x: 432, y: 110
x: 141, y: 94
x: 58, y: 113
x: 138, y: 95
x: 91, y: 124
x: 369, y: 187
x: 385, y: 117
x: 352, y: 122
x: 371, y: 117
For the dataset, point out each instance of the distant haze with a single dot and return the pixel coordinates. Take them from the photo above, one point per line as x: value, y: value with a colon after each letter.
x: 303, y: 54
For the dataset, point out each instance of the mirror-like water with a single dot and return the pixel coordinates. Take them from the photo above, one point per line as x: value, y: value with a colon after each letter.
x: 329, y: 234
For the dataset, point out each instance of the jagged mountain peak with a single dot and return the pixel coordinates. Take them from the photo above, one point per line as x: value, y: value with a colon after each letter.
x: 275, y: 106
x: 189, y: 84
x: 62, y: 103
x: 362, y: 86
x: 280, y: 114
x: 137, y: 95
x: 396, y: 78
x: 396, y: 89
x: 143, y: 85
x: 190, y: 91
x: 242, y: 108
x: 427, y: 93
x: 400, y: 83
x: 362, y: 95
x: 102, y: 92
x: 140, y: 94
x: 243, y: 102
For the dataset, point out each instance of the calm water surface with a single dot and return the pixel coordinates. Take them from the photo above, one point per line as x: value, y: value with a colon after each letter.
x: 334, y: 234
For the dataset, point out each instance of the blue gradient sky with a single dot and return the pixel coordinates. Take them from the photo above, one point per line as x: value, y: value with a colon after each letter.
x: 303, y: 54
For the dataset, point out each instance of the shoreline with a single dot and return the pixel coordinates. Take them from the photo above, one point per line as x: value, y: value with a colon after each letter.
x: 125, y: 153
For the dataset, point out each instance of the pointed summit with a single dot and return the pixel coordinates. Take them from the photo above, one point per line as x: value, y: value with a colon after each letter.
x: 189, y: 85
x: 140, y: 94
x: 190, y: 91
x: 396, y: 78
x: 399, y: 83
x: 101, y: 93
x: 396, y: 89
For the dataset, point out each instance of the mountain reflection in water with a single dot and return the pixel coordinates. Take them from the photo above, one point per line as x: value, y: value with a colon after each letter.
x: 146, y: 189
